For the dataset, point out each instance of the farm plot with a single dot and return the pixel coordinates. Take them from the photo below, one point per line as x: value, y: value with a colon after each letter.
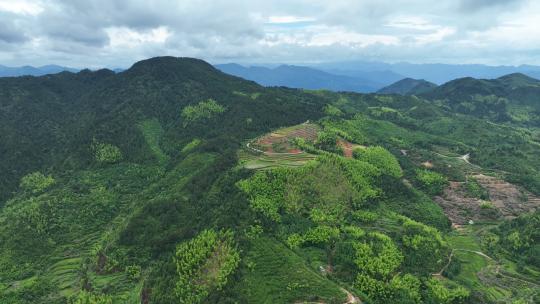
x: 277, y: 149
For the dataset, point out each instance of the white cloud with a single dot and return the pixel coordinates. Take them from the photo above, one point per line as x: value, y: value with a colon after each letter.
x: 125, y: 37
x: 436, y: 36
x: 412, y: 23
x: 118, y: 32
x: 289, y: 19
x: 336, y: 36
x: 21, y: 7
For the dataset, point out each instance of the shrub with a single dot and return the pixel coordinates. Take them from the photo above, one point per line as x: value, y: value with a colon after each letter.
x: 331, y: 110
x: 365, y: 216
x: 474, y: 189
x: 431, y: 182
x: 133, y: 272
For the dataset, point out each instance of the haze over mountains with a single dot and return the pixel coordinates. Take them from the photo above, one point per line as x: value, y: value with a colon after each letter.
x: 6, y: 71
x: 357, y: 76
x: 367, y: 77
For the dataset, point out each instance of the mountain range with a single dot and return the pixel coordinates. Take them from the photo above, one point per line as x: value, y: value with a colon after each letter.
x: 367, y: 76
x: 310, y: 78
x: 433, y: 72
x: 33, y: 71
x: 355, y: 76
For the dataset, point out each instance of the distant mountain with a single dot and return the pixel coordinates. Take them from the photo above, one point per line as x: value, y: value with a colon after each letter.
x: 33, y: 71
x: 408, y: 86
x: 437, y: 73
x: 385, y: 77
x: 367, y: 77
x: 518, y: 80
x: 503, y: 86
x: 492, y: 98
x: 301, y: 77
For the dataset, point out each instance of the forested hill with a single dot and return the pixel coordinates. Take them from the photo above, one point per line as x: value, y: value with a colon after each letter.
x: 49, y: 122
x: 408, y: 86
x: 513, y: 97
x: 172, y: 182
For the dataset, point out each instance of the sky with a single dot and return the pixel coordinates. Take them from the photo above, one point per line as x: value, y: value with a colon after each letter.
x: 116, y: 33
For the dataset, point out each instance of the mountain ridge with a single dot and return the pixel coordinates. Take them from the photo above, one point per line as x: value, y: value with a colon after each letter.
x: 408, y: 86
x: 300, y: 77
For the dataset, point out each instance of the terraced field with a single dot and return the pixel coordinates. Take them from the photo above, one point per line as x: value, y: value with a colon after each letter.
x: 279, y: 141
x: 268, y: 161
x: 277, y: 150
x: 496, y: 276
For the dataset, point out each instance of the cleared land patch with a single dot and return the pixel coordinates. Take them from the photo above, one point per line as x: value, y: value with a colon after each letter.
x: 505, y: 201
x: 347, y: 147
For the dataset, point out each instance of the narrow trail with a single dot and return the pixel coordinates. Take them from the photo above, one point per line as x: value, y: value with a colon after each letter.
x: 273, y: 153
x: 351, y: 299
x: 480, y: 253
x: 439, y: 274
x: 466, y: 159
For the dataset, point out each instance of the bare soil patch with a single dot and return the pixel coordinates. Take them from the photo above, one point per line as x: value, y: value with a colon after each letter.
x: 506, y: 201
x: 347, y: 147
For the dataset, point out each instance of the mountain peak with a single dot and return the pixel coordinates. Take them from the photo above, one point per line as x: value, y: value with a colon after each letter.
x: 170, y: 63
x: 518, y: 80
x: 408, y: 86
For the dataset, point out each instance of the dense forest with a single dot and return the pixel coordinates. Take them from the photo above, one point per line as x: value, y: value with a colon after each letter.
x: 172, y: 182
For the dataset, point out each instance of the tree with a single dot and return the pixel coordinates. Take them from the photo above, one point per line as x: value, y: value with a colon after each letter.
x: 36, y: 182
x: 378, y: 257
x: 327, y: 141
x: 437, y: 293
x: 204, y: 264
x: 331, y: 110
x: 202, y: 111
x: 86, y: 297
x: 106, y: 153
x: 423, y: 245
x: 380, y: 158
x: 265, y: 191
x: 406, y: 289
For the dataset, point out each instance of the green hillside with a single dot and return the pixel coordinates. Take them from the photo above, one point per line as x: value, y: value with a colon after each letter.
x: 408, y: 86
x: 173, y: 182
x: 511, y: 98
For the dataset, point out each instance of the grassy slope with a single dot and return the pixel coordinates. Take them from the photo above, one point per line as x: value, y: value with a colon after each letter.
x: 275, y: 274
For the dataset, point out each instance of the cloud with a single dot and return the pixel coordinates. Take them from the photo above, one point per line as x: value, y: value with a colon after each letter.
x: 20, y: 7
x: 9, y: 33
x: 118, y: 32
x: 12, y: 29
x: 471, y: 6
